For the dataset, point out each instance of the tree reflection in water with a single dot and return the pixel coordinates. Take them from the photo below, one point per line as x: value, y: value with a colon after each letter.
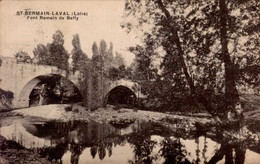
x: 102, y: 138
x: 76, y: 151
x: 227, y: 151
x: 53, y: 154
x: 204, y: 149
x: 93, y: 151
x: 143, y: 147
x: 173, y: 151
x: 109, y: 148
x: 197, y: 141
x: 101, y: 151
x: 234, y: 143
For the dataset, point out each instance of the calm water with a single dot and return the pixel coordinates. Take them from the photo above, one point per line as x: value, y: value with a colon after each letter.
x: 140, y: 142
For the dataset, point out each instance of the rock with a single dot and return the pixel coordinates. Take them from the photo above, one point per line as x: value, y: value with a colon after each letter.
x: 122, y: 123
x: 77, y: 107
x: 116, y: 107
x: 68, y: 108
x: 123, y: 110
x: 76, y: 110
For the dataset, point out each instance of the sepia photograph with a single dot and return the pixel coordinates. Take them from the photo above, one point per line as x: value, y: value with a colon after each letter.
x: 130, y: 82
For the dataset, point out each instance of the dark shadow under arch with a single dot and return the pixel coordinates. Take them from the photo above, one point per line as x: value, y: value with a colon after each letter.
x: 121, y: 95
x: 29, y: 91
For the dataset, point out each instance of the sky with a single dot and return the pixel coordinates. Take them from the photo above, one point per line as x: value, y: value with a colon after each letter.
x: 17, y: 33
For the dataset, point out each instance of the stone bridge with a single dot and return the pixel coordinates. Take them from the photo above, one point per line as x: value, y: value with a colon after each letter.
x: 21, y: 78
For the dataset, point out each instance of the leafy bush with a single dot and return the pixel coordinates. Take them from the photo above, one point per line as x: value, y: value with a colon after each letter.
x: 6, y: 98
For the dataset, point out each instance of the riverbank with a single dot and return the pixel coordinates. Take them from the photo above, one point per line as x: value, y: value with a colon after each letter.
x: 66, y: 112
x: 111, y: 114
x: 189, y: 122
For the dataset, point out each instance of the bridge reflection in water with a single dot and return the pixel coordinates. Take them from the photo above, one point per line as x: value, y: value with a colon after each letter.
x: 140, y: 142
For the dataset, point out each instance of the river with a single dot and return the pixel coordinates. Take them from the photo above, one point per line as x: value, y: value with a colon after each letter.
x: 139, y: 142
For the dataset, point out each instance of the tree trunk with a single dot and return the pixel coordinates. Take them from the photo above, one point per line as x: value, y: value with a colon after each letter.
x: 176, y: 40
x: 89, y: 89
x: 231, y: 92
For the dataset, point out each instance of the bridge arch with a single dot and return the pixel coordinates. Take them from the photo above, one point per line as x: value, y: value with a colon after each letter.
x: 24, y: 95
x: 120, y: 95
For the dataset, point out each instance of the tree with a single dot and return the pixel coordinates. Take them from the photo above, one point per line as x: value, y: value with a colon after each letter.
x: 118, y: 60
x: 96, y: 76
x: 108, y: 60
x: 79, y: 58
x: 58, y: 38
x: 128, y: 72
x: 53, y: 54
x: 41, y: 55
x: 103, y: 53
x: 122, y: 70
x: 102, y: 60
x: 95, y: 55
x: 113, y: 73
x: 23, y: 57
x: 109, y: 57
x: 195, y: 37
x: 88, y: 85
x: 143, y: 63
x: 58, y: 54
x: 245, y: 31
x: 231, y: 92
x: 103, y: 48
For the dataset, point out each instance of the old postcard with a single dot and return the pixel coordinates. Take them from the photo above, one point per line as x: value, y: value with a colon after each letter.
x: 131, y: 81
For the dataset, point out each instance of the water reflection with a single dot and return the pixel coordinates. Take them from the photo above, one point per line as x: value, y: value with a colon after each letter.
x: 234, y: 154
x: 143, y: 146
x: 141, y: 142
x: 173, y: 151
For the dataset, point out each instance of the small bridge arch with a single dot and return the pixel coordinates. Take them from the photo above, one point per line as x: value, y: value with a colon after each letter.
x: 121, y: 95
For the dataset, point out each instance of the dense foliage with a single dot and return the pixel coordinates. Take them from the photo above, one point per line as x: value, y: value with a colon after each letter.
x: 103, y: 67
x: 22, y: 57
x: 79, y: 58
x: 6, y: 98
x: 205, y: 49
x: 54, y: 54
